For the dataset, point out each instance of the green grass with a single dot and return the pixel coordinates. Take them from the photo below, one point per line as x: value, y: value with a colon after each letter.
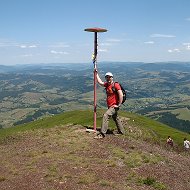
x: 73, y: 117
x: 159, y: 130
x: 131, y: 159
x: 151, y: 129
x: 182, y: 113
x: 2, y: 178
x: 150, y: 181
x: 88, y: 178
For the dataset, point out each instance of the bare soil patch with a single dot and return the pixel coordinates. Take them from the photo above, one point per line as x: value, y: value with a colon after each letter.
x: 66, y: 157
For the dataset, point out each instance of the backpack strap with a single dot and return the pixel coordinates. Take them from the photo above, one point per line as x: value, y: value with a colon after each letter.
x: 113, y: 87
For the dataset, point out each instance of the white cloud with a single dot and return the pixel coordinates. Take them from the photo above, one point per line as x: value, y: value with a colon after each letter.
x: 59, y: 45
x: 105, y: 44
x: 149, y: 42
x: 59, y: 52
x: 110, y: 42
x: 102, y: 50
x: 23, y: 46
x: 162, y: 36
x: 7, y: 43
x: 12, y: 44
x: 187, y: 44
x: 113, y: 40
x: 32, y: 46
x: 27, y: 46
x: 174, y: 50
x: 27, y: 55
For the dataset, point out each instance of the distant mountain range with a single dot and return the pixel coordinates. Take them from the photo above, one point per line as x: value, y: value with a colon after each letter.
x: 158, y: 90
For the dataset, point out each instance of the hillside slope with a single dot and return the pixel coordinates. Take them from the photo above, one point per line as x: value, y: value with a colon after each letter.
x: 57, y: 153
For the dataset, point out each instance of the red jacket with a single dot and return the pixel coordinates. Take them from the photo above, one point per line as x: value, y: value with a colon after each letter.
x: 112, y: 94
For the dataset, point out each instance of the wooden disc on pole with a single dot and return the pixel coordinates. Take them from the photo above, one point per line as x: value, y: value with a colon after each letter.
x: 95, y: 30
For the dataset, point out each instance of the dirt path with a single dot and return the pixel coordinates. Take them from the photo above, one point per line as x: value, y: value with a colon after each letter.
x: 68, y: 158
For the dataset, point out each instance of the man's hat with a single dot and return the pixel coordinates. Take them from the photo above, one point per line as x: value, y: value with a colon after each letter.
x: 109, y: 74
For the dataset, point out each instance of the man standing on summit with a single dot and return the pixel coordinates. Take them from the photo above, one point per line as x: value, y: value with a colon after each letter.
x: 114, y: 101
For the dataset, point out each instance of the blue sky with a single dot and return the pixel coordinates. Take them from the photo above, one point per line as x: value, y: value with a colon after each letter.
x: 52, y: 31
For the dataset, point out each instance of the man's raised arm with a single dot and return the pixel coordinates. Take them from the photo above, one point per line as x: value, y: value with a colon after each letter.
x: 99, y: 80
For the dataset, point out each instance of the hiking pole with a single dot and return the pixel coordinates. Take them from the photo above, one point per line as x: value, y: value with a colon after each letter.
x: 95, y: 30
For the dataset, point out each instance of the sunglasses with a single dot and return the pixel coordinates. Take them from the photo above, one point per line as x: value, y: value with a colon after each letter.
x: 108, y: 76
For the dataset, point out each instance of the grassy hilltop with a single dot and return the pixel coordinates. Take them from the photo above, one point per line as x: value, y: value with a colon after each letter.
x: 57, y: 153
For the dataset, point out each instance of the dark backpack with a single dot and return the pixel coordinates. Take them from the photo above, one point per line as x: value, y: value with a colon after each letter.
x: 123, y: 90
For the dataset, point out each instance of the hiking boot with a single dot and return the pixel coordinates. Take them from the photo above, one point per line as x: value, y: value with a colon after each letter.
x: 117, y: 133
x: 99, y: 136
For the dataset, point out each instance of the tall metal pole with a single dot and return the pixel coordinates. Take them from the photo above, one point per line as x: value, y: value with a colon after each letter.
x: 95, y: 30
x: 95, y: 77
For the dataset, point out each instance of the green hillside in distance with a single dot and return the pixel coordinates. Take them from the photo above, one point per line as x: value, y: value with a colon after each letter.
x: 151, y: 129
x: 57, y: 153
